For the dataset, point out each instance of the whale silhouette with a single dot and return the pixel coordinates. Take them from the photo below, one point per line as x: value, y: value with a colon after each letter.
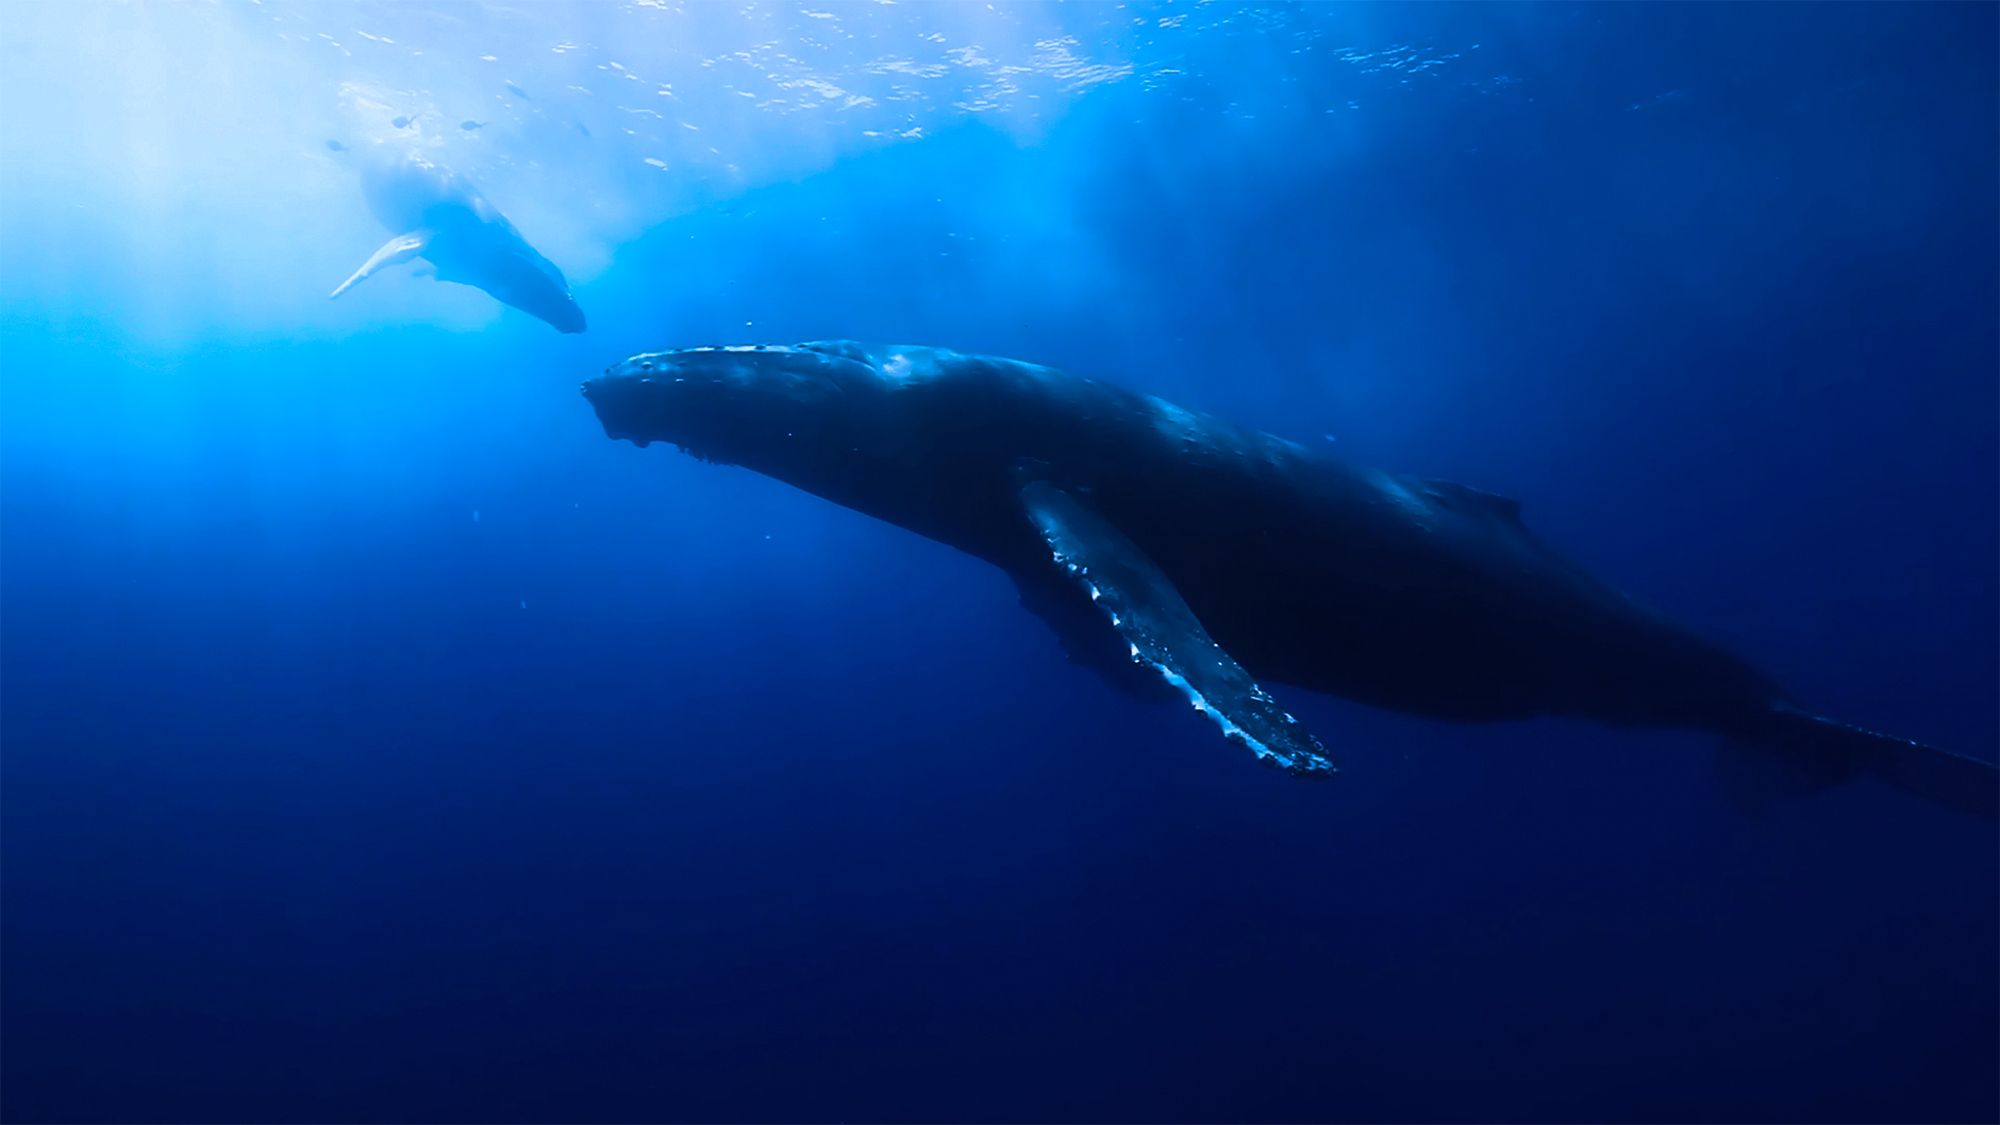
x: 1204, y: 556
x: 439, y: 216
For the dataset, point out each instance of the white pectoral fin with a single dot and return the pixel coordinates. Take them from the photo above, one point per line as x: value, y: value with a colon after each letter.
x: 1162, y: 633
x: 399, y: 249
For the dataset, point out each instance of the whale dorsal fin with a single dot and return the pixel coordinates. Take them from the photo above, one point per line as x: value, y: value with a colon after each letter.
x: 401, y: 248
x: 1467, y: 498
x: 1162, y: 633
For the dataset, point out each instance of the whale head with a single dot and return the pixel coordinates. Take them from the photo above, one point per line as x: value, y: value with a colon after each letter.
x: 776, y: 409
x: 513, y: 272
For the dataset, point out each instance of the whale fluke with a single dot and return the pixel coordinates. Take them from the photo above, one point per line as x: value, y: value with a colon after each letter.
x: 1812, y: 752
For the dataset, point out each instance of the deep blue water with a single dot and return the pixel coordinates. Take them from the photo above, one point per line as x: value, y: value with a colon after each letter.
x: 381, y: 742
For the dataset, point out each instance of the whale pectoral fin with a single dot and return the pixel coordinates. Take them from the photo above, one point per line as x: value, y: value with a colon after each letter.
x: 401, y: 248
x: 1087, y: 639
x: 1161, y: 632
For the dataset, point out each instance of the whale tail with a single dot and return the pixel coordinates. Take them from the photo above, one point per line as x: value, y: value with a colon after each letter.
x: 1786, y: 751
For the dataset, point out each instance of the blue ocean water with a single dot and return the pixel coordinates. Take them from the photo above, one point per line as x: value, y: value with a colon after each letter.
x: 380, y: 742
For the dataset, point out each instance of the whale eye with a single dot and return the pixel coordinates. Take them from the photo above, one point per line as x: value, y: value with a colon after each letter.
x: 645, y: 365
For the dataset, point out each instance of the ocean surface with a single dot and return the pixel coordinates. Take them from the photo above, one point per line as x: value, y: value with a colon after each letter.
x: 381, y: 742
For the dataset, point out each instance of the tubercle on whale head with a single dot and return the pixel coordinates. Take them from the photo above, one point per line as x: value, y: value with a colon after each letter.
x: 771, y: 408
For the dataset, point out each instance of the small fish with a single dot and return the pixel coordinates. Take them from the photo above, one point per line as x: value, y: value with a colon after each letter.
x: 401, y: 122
x: 519, y: 93
x: 581, y: 128
x: 470, y: 126
x: 336, y: 146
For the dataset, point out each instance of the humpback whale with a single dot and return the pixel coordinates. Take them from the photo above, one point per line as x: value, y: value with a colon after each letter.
x: 437, y: 215
x: 1180, y: 553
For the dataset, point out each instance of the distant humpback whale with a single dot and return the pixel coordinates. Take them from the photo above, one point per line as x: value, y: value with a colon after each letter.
x: 439, y: 216
x: 1205, y: 556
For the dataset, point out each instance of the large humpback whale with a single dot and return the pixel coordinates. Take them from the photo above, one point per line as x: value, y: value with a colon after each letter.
x: 436, y: 214
x: 1208, y: 556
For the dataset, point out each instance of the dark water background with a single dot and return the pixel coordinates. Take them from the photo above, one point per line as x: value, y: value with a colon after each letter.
x: 381, y: 742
